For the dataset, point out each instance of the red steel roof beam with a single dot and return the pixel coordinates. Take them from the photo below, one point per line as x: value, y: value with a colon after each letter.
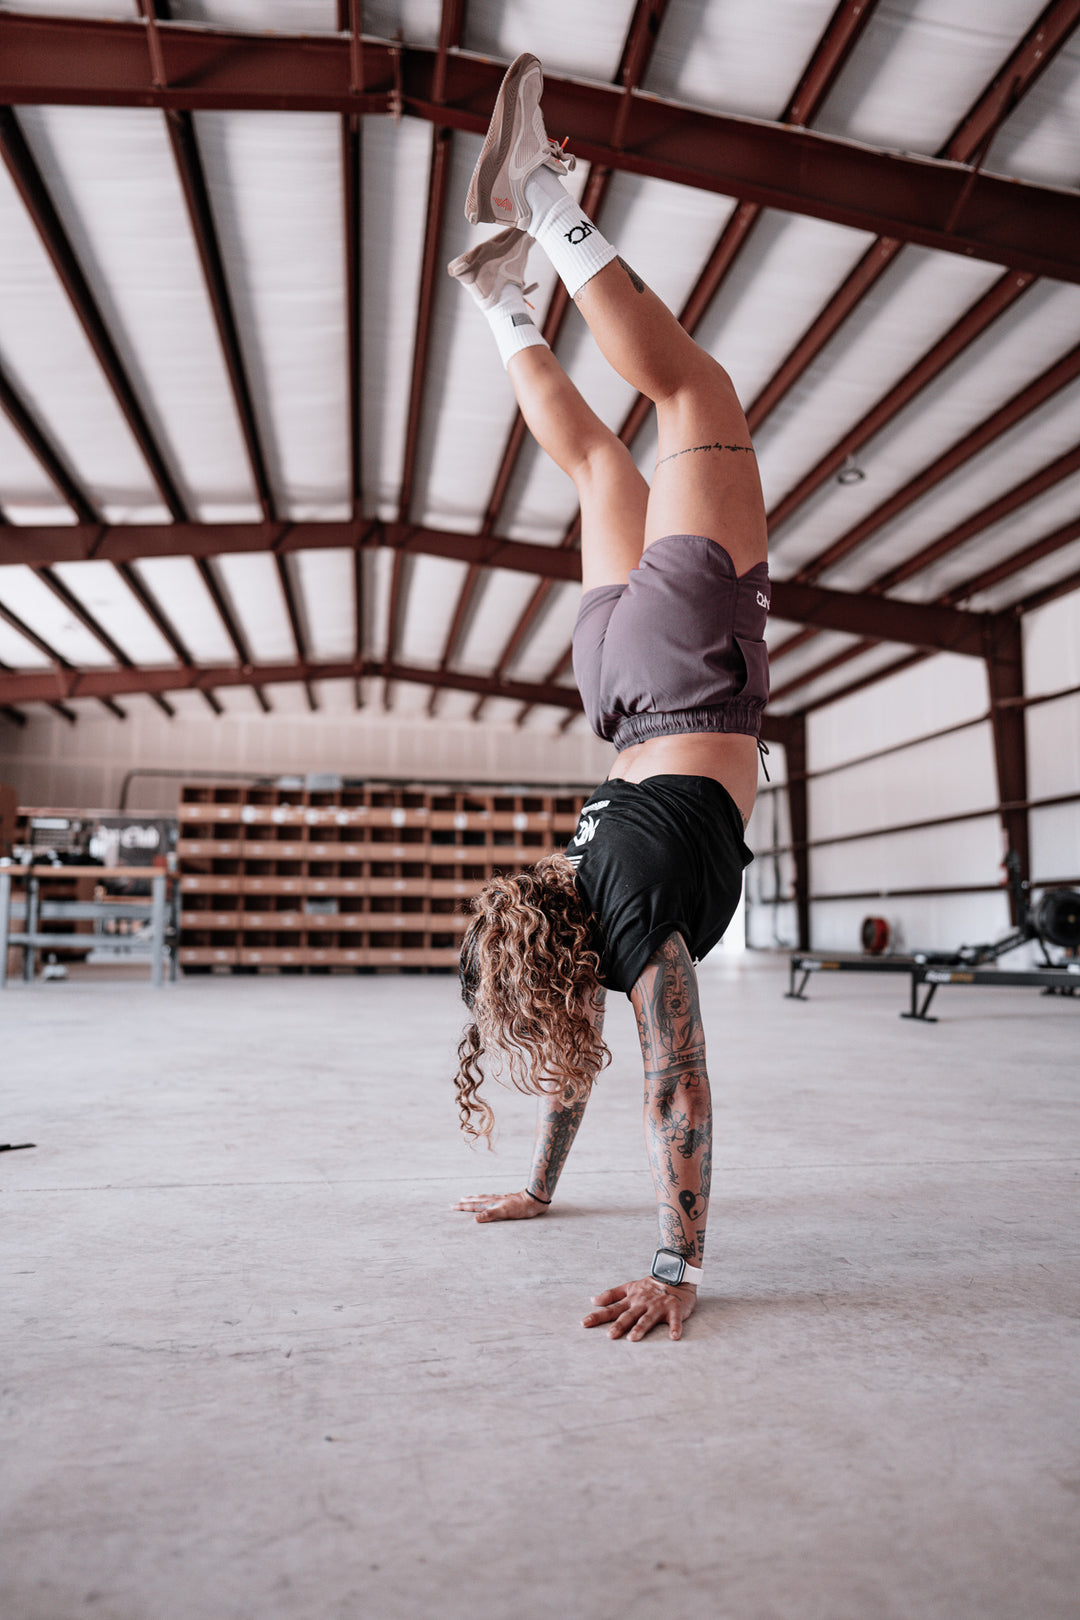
x: 29, y: 686
x: 232, y: 629
x: 295, y: 624
x: 1027, y: 227
x: 450, y: 26
x: 185, y: 149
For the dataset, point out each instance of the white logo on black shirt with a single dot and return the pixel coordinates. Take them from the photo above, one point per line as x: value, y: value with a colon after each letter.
x: 587, y: 826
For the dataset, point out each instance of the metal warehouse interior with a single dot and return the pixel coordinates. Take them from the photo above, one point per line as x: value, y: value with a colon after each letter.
x: 287, y: 593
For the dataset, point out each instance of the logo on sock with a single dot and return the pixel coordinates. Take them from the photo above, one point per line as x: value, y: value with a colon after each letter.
x: 579, y: 233
x: 522, y: 320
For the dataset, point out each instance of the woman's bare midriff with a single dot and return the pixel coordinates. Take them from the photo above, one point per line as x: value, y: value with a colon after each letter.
x: 728, y: 757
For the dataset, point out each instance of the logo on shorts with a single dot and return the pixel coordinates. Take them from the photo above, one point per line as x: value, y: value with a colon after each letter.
x: 763, y: 600
x: 579, y: 233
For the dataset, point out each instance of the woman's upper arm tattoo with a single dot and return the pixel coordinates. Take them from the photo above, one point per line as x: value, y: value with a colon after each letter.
x: 665, y: 1000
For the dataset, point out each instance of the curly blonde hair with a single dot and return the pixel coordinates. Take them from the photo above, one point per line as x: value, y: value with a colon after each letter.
x: 530, y: 977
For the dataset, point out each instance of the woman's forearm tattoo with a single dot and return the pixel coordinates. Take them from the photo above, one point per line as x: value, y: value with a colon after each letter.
x: 556, y: 1128
x: 678, y: 1105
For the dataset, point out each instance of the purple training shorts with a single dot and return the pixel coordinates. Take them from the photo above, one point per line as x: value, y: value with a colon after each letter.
x: 679, y: 648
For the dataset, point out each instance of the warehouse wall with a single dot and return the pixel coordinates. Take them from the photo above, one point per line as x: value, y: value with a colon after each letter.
x: 924, y: 777
x: 50, y: 762
x: 1052, y: 664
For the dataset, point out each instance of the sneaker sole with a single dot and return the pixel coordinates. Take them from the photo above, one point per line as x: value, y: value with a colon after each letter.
x: 496, y: 148
x: 483, y: 253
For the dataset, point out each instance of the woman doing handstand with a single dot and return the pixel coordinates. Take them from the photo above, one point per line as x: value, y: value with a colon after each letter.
x: 670, y: 658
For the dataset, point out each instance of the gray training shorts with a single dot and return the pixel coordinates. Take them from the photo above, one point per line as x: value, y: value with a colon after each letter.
x: 679, y: 648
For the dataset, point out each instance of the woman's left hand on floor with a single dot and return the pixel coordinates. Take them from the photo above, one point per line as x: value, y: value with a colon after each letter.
x: 637, y: 1307
x: 515, y: 1206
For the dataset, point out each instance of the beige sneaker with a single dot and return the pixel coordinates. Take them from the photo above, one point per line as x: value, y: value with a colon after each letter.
x: 516, y: 145
x: 488, y: 268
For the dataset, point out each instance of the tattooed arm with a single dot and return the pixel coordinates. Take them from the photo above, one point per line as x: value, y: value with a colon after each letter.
x: 556, y: 1128
x: 678, y: 1133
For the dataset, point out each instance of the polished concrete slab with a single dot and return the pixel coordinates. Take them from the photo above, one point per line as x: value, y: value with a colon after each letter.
x: 254, y: 1365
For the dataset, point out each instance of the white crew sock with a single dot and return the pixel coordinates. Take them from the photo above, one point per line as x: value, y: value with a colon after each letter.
x: 568, y: 237
x: 512, y: 323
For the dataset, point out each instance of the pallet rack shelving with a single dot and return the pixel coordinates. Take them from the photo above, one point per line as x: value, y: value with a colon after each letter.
x: 362, y: 876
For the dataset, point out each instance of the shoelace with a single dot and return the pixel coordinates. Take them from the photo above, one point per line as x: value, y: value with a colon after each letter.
x: 560, y: 154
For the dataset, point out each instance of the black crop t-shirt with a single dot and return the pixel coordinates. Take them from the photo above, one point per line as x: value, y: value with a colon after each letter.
x: 655, y: 858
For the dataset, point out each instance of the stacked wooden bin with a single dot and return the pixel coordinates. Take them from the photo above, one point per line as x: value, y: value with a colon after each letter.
x: 359, y: 876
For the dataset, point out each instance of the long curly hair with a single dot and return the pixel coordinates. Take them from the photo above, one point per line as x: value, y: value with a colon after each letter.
x: 530, y: 977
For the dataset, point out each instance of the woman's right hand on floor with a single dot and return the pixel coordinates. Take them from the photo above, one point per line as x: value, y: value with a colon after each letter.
x: 515, y: 1206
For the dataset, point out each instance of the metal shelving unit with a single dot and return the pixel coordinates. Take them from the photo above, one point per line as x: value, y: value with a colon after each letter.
x: 368, y: 876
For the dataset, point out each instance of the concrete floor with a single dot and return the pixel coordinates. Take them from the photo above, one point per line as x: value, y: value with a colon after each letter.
x: 254, y: 1365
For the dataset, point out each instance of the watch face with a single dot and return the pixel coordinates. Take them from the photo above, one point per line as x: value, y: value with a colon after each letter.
x: 668, y: 1266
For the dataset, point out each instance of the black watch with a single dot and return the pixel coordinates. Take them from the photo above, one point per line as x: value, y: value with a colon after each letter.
x: 669, y: 1267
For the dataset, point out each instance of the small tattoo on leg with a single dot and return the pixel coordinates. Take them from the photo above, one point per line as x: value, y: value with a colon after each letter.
x: 635, y: 280
x: 693, y: 449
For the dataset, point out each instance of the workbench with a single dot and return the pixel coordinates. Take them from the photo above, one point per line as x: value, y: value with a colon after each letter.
x: 36, y: 909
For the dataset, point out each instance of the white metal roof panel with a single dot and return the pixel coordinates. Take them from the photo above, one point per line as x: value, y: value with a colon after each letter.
x: 177, y: 585
x: 1022, y: 343
x: 32, y: 601
x: 324, y: 583
x: 914, y: 304
x: 504, y: 597
x: 275, y: 187
x: 258, y: 601
x: 29, y: 494
x: 43, y: 347
x: 432, y: 597
x: 102, y: 591
x: 790, y: 269
x: 919, y: 66
x: 265, y: 17
x: 583, y: 41
x: 736, y: 58
x: 18, y: 653
x: 111, y: 174
x: 1039, y: 140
